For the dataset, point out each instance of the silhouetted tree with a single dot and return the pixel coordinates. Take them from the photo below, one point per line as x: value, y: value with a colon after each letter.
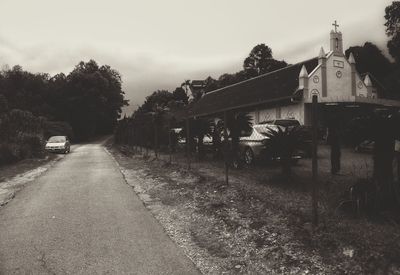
x: 236, y: 124
x: 392, y: 16
x: 210, y: 84
x: 179, y: 95
x: 370, y: 59
x: 94, y: 99
x: 260, y: 61
x: 3, y: 104
x: 160, y: 98
x: 200, y: 127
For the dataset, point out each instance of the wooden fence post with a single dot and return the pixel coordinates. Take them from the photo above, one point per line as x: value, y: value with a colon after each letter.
x: 169, y: 141
x: 226, y: 148
x: 188, y: 142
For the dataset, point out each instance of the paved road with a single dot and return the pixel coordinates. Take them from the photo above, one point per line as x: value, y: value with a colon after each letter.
x: 81, y: 218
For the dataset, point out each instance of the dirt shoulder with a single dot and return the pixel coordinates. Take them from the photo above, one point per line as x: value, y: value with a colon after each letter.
x: 256, y: 225
x: 14, y: 177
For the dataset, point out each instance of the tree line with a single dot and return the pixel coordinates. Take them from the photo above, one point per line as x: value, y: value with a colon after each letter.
x: 85, y: 103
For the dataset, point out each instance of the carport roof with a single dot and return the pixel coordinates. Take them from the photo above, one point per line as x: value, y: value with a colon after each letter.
x: 274, y: 86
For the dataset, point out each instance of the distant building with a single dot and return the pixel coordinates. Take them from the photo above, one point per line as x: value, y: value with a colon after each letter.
x: 197, y: 87
x: 287, y: 92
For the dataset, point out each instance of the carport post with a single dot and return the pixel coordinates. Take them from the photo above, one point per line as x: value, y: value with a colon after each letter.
x: 314, y: 122
x: 169, y: 141
x: 226, y: 148
x: 188, y: 142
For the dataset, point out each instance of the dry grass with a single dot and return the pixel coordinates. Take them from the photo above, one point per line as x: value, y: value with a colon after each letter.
x: 260, y: 224
x: 9, y: 171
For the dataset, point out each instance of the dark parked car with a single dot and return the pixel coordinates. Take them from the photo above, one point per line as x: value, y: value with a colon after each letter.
x: 285, y: 123
x: 58, y: 144
x: 367, y: 146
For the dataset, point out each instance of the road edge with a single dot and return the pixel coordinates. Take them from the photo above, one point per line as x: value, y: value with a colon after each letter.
x: 121, y: 169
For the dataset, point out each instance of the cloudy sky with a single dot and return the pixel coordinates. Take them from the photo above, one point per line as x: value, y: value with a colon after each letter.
x: 158, y: 44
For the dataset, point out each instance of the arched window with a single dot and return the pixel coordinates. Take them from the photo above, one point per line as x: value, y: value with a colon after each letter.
x: 337, y: 43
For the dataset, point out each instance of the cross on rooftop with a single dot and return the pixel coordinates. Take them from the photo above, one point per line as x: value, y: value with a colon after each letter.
x: 336, y: 25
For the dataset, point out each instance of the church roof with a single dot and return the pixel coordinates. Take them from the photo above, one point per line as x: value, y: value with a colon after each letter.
x: 273, y: 86
x: 382, y: 91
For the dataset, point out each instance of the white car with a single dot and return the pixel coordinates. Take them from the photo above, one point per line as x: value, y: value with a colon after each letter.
x: 58, y: 144
x: 254, y: 144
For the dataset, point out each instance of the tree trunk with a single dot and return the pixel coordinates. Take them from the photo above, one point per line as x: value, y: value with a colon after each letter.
x: 286, y: 160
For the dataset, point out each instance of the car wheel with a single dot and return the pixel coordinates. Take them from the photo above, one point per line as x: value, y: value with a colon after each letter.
x: 248, y: 156
x: 236, y: 164
x: 295, y: 161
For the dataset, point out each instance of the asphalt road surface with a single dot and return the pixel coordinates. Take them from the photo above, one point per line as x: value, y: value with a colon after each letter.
x: 80, y: 217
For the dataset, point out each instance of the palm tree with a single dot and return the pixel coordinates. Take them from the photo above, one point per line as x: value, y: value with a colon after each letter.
x: 236, y: 124
x: 159, y: 116
x: 283, y: 142
x: 216, y: 134
x: 200, y: 127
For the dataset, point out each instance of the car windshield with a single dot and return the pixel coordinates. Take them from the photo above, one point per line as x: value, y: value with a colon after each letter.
x: 265, y: 129
x: 57, y: 139
x: 287, y: 122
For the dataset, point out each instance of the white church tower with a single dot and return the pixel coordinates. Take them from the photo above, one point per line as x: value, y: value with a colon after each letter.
x: 335, y: 79
x: 336, y: 41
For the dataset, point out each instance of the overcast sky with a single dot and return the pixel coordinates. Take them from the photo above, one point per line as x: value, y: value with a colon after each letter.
x: 158, y: 44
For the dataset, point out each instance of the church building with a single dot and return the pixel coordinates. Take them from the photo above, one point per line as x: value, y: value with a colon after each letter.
x: 287, y: 93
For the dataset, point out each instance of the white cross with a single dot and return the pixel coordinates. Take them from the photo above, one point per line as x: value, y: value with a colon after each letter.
x: 335, y: 25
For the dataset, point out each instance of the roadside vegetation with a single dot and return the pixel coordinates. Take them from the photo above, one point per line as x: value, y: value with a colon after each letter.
x: 85, y: 103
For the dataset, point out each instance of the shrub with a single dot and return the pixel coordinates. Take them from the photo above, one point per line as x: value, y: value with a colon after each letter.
x: 58, y: 128
x: 9, y: 153
x: 34, y: 145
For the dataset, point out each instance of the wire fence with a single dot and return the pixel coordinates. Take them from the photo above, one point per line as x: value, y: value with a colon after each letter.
x: 229, y: 140
x: 235, y: 140
x: 187, y: 142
